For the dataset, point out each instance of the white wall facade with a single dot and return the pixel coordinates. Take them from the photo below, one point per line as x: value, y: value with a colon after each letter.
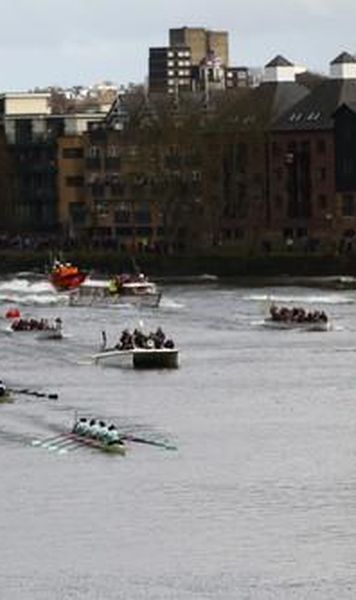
x: 278, y: 74
x: 343, y: 71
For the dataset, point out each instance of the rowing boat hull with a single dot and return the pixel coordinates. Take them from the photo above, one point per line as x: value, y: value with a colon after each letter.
x: 294, y: 325
x: 49, y: 334
x: 98, y: 445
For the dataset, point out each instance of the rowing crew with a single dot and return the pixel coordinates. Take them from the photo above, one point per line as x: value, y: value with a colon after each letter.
x: 97, y: 430
x: 297, y: 315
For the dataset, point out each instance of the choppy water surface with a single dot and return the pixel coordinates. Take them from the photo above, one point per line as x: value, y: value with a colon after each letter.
x: 258, y: 502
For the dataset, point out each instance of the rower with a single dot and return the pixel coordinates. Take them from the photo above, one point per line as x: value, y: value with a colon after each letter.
x: 101, y: 435
x: 112, y: 436
x: 95, y: 427
x: 2, y: 388
x: 58, y: 324
x: 81, y: 427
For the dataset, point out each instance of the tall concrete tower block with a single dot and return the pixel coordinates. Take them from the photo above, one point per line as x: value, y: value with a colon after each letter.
x: 201, y: 41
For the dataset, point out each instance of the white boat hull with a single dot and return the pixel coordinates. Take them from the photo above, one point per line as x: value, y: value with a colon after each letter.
x: 140, y: 358
x: 98, y: 295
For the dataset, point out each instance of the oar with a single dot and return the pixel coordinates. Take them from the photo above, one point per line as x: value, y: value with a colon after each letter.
x: 28, y: 392
x: 61, y: 444
x: 49, y: 440
x: 139, y: 440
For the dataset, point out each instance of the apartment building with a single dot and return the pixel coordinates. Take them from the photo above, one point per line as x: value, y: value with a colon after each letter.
x: 170, y: 70
x: 195, y: 60
x: 201, y: 41
x: 312, y: 165
x: 31, y: 132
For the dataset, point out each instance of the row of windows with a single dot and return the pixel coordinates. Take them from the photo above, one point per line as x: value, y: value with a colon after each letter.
x: 93, y: 152
x: 178, y: 63
x: 183, y: 73
x: 294, y: 150
x: 180, y: 53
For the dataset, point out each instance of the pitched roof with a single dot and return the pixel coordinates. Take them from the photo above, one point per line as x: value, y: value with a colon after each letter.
x: 316, y: 110
x: 279, y: 61
x: 260, y: 106
x: 344, y: 57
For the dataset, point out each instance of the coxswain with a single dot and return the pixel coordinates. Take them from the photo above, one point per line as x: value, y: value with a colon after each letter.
x: 103, y: 340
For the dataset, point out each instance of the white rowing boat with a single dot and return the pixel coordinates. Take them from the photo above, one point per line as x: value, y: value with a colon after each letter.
x: 115, y: 448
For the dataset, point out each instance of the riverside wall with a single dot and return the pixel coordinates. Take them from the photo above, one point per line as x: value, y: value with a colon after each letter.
x: 187, y: 265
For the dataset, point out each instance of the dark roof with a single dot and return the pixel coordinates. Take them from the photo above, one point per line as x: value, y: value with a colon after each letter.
x: 262, y: 105
x: 346, y: 107
x: 316, y: 110
x: 344, y: 57
x: 279, y: 61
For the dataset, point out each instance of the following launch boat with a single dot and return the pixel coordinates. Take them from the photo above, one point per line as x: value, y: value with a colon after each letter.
x: 123, y: 289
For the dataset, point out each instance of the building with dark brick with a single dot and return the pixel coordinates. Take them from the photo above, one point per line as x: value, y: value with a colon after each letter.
x: 311, y: 166
x: 237, y: 182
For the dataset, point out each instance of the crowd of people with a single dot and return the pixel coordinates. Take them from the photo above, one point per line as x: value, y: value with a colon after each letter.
x: 35, y: 324
x: 297, y: 315
x: 138, y: 339
x: 97, y: 430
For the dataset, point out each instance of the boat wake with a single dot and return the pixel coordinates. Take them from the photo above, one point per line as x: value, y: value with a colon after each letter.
x: 300, y: 299
x: 169, y: 303
x: 24, y: 292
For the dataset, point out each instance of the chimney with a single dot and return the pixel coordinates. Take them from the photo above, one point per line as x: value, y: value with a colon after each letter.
x: 279, y: 70
x: 343, y: 67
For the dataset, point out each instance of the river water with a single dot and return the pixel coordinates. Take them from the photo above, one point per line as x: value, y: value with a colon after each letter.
x: 258, y: 501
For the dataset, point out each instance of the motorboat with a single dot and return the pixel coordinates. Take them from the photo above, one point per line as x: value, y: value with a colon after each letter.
x: 142, y: 351
x: 137, y: 290
x: 65, y: 276
x: 139, y: 358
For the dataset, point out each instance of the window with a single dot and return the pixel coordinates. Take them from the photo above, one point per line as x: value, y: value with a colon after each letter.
x: 112, y: 151
x: 278, y: 173
x: 322, y: 201
x: 276, y: 149
x: 347, y: 166
x: 321, y: 146
x: 77, y: 211
x: 321, y: 174
x: 142, y: 217
x: 278, y: 201
x: 93, y: 152
x: 74, y: 181
x: 123, y: 216
x: 348, y: 205
x: 72, y: 153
